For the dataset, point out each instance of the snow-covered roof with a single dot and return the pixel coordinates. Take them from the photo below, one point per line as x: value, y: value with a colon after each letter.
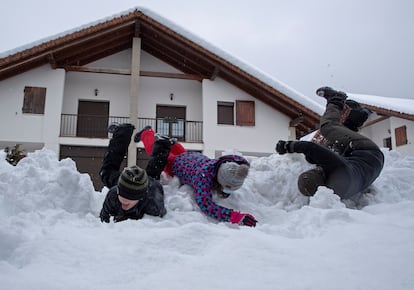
x: 400, y: 105
x: 243, y: 65
x: 64, y: 33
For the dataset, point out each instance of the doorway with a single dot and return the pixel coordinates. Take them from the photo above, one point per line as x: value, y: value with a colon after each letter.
x: 171, y: 121
x: 92, y: 119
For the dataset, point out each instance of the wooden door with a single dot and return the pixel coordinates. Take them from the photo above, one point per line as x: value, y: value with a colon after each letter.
x: 93, y: 119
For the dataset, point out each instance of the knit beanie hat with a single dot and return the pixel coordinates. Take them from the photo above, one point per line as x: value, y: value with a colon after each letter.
x: 133, y: 183
x: 231, y: 175
x: 309, y: 181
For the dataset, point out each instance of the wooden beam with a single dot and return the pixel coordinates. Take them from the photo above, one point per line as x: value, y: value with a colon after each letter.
x: 179, y: 40
x: 43, y: 55
x: 190, y: 59
x: 128, y: 72
x: 52, y: 61
x: 177, y: 62
x: 93, y: 45
x: 390, y: 113
x: 215, y: 73
x: 166, y: 40
x: 98, y: 70
x: 171, y: 75
x: 295, y: 122
x: 137, y: 30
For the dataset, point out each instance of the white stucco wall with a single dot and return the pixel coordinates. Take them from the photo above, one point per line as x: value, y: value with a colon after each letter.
x: 82, y: 85
x: 270, y: 125
x: 155, y: 91
x: 33, y: 130
x: 115, y: 89
x: 377, y: 132
x: 407, y: 149
x: 386, y: 128
x: 120, y: 60
x: 199, y: 98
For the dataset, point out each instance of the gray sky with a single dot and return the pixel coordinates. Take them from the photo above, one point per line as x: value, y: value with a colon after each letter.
x: 358, y: 46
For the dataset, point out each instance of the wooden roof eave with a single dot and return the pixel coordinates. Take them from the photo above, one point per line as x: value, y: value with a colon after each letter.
x: 391, y: 113
x: 78, y: 52
x: 40, y: 54
x: 68, y: 40
x: 213, y: 65
x: 217, y: 61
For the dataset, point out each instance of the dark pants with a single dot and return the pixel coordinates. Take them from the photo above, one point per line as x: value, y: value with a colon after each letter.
x: 117, y: 150
x: 359, y: 163
x: 340, y: 137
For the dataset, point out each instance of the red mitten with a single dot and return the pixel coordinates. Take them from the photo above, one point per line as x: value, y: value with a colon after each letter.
x: 242, y: 219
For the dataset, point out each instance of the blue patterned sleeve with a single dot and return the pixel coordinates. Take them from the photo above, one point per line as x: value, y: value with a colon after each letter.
x: 198, y: 171
x: 202, y: 183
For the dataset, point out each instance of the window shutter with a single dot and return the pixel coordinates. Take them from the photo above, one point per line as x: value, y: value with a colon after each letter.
x: 401, y: 135
x: 34, y: 100
x: 39, y: 96
x: 28, y: 100
x: 245, y: 113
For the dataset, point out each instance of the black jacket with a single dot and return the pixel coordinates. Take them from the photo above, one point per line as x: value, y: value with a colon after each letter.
x: 348, y: 174
x: 153, y: 204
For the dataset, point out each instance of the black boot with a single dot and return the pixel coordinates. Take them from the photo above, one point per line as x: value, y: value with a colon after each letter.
x: 159, y: 156
x: 309, y: 181
x: 116, y: 126
x: 112, y: 127
x: 137, y: 136
x: 163, y: 138
x: 332, y: 96
x: 114, y: 153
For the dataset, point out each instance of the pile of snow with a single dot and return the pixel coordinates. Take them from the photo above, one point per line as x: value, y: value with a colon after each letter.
x: 51, y: 236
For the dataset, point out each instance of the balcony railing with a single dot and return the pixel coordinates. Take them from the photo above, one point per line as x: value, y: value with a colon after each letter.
x: 94, y: 126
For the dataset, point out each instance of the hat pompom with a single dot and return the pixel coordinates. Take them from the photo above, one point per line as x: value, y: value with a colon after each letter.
x: 133, y: 183
x: 231, y: 175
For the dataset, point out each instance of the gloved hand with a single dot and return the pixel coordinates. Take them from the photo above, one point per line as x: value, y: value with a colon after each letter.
x: 283, y: 147
x: 104, y: 216
x: 120, y: 218
x: 242, y: 219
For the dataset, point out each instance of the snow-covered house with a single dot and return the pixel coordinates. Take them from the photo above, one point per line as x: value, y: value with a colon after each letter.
x: 392, y: 123
x: 62, y: 93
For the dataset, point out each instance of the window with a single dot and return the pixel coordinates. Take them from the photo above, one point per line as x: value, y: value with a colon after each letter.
x: 401, y: 135
x: 34, y: 100
x: 387, y: 143
x: 245, y: 113
x: 225, y: 113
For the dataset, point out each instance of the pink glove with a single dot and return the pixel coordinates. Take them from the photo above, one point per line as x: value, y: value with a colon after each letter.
x: 242, y: 219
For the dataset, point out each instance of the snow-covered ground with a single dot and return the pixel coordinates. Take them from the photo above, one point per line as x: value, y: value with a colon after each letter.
x: 51, y: 236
